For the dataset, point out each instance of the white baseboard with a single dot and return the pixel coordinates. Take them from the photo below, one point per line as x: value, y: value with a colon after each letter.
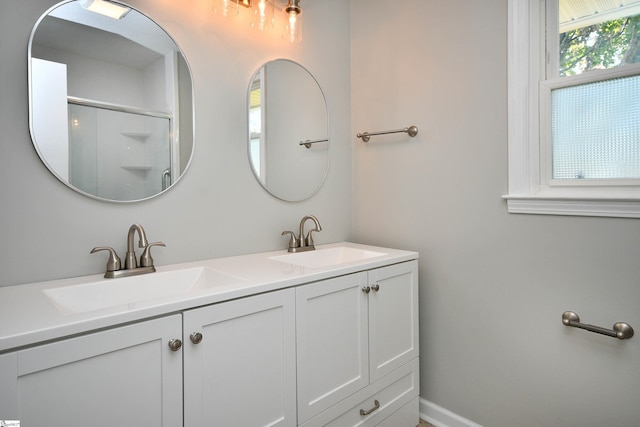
x: 441, y: 417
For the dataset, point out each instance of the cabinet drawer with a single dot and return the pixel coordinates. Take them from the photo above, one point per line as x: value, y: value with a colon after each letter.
x: 405, y: 416
x: 391, y: 393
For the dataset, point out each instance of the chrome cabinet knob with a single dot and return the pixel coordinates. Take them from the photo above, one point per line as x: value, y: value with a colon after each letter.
x: 366, y: 289
x: 196, y: 337
x: 175, y: 344
x: 375, y: 287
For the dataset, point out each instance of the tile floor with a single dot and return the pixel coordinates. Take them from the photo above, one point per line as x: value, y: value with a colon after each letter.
x: 423, y: 423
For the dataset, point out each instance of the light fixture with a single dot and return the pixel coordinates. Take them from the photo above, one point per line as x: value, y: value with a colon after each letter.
x: 293, y: 29
x: 226, y: 7
x: 106, y: 8
x: 263, y: 15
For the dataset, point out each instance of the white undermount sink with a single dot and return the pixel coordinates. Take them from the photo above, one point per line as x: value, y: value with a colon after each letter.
x: 107, y: 293
x: 328, y: 257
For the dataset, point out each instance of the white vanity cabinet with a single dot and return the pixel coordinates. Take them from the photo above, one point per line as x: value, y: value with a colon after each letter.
x: 357, y: 348
x: 124, y: 376
x: 234, y: 362
x: 283, y: 345
x: 239, y: 362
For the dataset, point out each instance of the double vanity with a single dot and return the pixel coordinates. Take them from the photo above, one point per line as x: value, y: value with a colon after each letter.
x: 310, y: 336
x: 327, y: 337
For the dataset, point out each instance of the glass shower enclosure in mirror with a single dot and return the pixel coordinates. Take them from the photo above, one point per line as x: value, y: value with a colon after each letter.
x: 110, y: 101
x: 288, y: 130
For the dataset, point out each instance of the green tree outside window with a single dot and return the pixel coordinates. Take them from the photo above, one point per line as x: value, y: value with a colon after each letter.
x: 600, y: 46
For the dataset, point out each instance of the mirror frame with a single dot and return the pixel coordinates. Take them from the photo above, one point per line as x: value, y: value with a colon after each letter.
x: 38, y: 150
x: 321, y: 182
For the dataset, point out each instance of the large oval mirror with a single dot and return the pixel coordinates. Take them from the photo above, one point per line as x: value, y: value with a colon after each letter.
x: 111, y: 100
x: 288, y: 130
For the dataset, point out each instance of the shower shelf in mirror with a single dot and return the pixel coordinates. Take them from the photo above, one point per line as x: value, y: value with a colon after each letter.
x: 136, y: 167
x: 141, y: 136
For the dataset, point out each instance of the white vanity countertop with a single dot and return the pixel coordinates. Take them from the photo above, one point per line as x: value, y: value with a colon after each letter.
x: 28, y: 315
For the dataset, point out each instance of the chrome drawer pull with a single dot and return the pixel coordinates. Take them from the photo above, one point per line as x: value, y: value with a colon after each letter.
x: 376, y: 406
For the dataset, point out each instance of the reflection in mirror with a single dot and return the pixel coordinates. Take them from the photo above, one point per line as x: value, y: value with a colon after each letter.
x: 288, y: 130
x: 111, y: 101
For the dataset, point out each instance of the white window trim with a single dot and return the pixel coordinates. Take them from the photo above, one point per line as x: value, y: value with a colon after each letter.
x: 527, y: 191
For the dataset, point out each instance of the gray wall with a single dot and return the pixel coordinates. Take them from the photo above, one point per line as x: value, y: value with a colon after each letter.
x: 493, y: 285
x: 218, y: 208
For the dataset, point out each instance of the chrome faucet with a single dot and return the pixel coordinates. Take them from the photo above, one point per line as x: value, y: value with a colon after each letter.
x: 130, y: 263
x: 302, y: 243
x: 130, y: 258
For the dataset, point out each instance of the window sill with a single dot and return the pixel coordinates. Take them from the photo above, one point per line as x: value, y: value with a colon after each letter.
x: 613, y: 207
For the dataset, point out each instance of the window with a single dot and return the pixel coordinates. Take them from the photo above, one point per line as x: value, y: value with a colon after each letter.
x: 574, y: 107
x: 256, y: 135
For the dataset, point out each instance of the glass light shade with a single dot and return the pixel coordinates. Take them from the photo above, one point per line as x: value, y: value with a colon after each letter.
x: 226, y: 7
x: 293, y: 27
x: 263, y: 15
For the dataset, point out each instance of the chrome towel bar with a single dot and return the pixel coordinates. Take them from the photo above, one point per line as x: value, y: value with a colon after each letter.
x: 620, y: 330
x: 308, y: 143
x: 366, y: 136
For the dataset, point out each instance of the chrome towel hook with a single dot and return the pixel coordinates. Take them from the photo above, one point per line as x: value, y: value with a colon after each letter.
x: 620, y: 330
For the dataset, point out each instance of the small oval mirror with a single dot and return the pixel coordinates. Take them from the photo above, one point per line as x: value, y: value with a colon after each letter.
x: 110, y: 101
x: 288, y: 130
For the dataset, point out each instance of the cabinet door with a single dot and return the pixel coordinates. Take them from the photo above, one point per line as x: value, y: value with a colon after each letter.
x: 242, y: 373
x: 126, y: 376
x: 9, y: 408
x: 332, y: 341
x: 393, y: 317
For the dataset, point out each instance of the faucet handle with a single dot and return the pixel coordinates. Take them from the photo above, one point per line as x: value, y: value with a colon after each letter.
x: 309, y: 239
x: 113, y: 263
x: 145, y: 259
x: 292, y: 239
